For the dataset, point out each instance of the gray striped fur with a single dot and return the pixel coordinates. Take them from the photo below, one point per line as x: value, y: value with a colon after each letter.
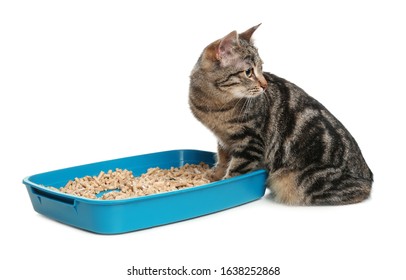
x: 263, y: 121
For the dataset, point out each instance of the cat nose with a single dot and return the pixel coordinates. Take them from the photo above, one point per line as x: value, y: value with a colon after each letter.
x: 263, y: 83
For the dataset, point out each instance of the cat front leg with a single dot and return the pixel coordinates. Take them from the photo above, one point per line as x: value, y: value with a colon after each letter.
x: 223, y: 159
x: 242, y: 163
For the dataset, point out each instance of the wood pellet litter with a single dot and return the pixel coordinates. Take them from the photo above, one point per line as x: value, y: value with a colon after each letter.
x: 121, y: 184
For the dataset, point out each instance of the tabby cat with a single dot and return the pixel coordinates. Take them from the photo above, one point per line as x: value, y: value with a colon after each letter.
x: 263, y: 121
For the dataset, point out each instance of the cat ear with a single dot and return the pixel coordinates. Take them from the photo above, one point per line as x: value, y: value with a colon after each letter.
x: 248, y: 34
x: 225, y: 46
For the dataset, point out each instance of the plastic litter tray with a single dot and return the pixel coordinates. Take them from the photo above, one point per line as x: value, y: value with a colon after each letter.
x: 119, y: 216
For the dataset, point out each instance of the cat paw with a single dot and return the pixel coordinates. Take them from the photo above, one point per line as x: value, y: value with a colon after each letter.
x: 216, y: 174
x: 226, y: 177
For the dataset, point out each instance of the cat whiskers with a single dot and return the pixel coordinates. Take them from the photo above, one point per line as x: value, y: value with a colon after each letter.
x: 244, y: 108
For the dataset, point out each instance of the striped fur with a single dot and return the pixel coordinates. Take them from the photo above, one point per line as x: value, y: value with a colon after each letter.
x: 263, y: 121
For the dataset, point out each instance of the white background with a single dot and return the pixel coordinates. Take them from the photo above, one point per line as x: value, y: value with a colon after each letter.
x: 86, y: 81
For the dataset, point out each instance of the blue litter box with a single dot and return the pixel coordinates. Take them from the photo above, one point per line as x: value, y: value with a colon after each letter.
x: 125, y: 215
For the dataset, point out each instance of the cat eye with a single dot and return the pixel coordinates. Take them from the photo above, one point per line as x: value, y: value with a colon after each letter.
x: 249, y: 72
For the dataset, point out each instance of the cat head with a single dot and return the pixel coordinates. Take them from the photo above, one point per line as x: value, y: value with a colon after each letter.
x: 232, y: 66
